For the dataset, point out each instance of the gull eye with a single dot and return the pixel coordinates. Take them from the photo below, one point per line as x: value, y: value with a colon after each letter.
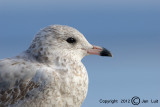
x: 71, y: 40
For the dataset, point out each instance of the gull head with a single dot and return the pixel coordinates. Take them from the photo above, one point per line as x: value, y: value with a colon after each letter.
x: 65, y: 42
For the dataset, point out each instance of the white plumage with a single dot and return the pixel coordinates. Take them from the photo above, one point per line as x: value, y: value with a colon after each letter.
x: 50, y: 72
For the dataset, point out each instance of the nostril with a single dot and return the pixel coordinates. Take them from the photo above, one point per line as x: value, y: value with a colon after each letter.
x: 97, y: 47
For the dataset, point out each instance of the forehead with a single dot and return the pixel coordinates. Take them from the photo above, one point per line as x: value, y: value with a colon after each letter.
x: 60, y: 31
x: 65, y: 30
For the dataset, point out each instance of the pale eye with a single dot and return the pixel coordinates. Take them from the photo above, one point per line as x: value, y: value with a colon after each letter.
x: 71, y: 40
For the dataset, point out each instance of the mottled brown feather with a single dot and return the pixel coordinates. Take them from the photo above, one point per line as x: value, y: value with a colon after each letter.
x: 19, y: 92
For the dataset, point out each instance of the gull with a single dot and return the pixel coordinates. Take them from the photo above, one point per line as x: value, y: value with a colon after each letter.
x: 50, y: 72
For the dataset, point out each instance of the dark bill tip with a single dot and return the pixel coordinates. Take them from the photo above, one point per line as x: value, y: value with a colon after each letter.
x: 105, y: 52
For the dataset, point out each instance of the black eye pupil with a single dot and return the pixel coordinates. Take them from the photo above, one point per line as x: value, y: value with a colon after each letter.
x: 71, y: 40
